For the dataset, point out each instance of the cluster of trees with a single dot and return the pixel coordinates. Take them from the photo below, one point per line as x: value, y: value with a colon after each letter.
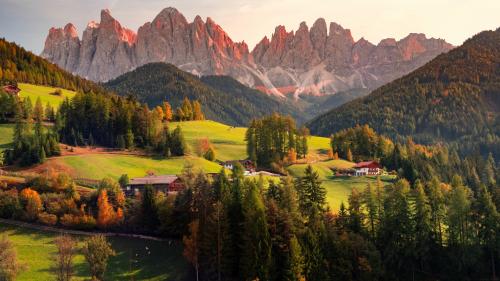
x: 32, y: 142
x: 53, y: 199
x: 360, y: 143
x: 427, y: 230
x: 189, y: 111
x: 205, y: 149
x: 19, y: 65
x: 272, y: 138
x: 112, y: 121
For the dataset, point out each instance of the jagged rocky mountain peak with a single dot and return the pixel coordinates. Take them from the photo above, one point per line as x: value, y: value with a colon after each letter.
x: 321, y: 59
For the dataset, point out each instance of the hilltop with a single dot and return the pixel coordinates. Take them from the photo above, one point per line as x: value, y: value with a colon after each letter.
x: 223, y: 98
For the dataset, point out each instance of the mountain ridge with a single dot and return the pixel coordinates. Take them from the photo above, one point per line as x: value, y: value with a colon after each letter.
x: 311, y: 61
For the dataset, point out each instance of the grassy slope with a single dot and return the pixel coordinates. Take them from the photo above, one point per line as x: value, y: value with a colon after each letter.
x: 97, y: 166
x: 35, y: 91
x: 36, y: 249
x: 229, y: 142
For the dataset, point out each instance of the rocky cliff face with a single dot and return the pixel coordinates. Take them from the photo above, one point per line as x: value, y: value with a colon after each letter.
x: 316, y: 60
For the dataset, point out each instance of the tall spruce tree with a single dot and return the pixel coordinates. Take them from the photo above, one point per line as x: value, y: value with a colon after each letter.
x: 256, y: 247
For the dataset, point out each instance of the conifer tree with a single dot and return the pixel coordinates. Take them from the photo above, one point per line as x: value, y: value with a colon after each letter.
x: 356, y: 216
x: 187, y: 109
x: 423, y: 227
x: 256, y: 250
x: 370, y: 202
x: 488, y: 220
x: 397, y: 231
x: 312, y: 195
x: 149, y: 210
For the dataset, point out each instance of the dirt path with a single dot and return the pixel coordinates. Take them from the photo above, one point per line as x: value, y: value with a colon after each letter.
x: 78, y: 232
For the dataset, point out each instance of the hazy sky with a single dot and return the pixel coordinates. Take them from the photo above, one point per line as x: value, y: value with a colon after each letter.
x: 27, y: 22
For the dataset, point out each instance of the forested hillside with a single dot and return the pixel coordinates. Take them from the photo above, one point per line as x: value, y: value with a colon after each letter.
x: 19, y: 65
x: 227, y: 101
x: 257, y: 102
x: 454, y: 98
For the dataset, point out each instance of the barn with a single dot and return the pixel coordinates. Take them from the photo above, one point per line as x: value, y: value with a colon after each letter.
x: 164, y: 183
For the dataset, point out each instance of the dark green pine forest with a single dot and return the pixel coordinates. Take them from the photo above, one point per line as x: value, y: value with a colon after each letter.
x: 224, y: 99
x: 455, y: 98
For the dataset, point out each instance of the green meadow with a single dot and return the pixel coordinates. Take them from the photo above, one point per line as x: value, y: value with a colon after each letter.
x: 136, y: 259
x: 45, y: 94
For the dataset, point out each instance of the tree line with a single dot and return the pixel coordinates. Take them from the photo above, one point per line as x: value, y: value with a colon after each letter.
x: 112, y: 121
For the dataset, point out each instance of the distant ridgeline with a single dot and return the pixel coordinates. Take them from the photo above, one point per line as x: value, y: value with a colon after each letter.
x: 455, y: 98
x: 224, y: 99
x: 19, y: 65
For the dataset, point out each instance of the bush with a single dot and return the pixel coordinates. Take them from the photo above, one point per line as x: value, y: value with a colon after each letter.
x: 10, y: 206
x: 210, y: 154
x: 48, y: 219
x: 57, y: 92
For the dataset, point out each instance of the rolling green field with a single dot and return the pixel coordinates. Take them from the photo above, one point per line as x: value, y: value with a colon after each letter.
x: 229, y: 142
x: 136, y: 259
x: 44, y: 92
x: 338, y: 189
x: 98, y: 166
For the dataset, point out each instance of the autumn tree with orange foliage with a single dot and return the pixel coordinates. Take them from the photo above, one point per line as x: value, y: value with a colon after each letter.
x: 31, y: 202
x: 330, y: 154
x: 106, y: 215
x: 292, y: 155
x: 167, y: 110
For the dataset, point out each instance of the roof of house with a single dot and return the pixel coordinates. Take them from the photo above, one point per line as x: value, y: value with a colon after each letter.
x: 164, y: 179
x: 367, y: 164
x: 11, y: 89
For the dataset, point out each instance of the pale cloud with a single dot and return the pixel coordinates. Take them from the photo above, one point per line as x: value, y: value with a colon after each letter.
x: 27, y: 22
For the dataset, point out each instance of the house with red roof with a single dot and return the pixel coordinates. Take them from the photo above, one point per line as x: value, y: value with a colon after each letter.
x: 368, y: 168
x: 11, y: 90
